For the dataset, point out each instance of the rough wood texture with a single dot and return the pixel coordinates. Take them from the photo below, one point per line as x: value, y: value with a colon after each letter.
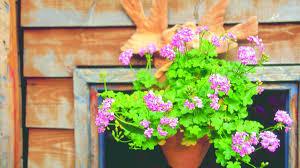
x: 48, y: 103
x: 49, y: 148
x: 10, y: 91
x: 82, y: 123
x: 55, y: 52
x: 148, y: 30
x: 45, y: 13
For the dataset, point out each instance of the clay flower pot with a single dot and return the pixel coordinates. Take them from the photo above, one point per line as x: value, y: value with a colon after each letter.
x: 180, y: 156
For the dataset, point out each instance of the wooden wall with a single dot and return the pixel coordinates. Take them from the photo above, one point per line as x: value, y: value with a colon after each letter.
x: 59, y: 35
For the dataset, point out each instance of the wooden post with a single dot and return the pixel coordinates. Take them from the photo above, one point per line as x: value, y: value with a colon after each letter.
x: 10, y: 108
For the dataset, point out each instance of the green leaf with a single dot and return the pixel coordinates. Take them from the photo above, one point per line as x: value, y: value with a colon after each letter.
x: 130, y: 127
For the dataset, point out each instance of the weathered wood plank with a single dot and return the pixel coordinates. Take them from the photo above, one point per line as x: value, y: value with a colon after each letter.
x: 10, y: 91
x: 46, y: 13
x: 50, y: 148
x: 82, y: 123
x: 55, y: 52
x: 49, y: 103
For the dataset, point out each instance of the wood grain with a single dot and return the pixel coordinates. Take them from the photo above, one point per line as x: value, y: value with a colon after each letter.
x: 45, y: 13
x: 55, y: 52
x: 49, y: 148
x: 10, y: 91
x: 49, y: 103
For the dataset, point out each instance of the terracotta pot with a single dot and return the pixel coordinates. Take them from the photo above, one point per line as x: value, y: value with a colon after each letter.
x: 160, y: 61
x: 179, y: 156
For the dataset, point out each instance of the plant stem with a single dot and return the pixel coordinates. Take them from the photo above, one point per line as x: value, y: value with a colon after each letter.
x: 227, y: 52
x: 249, y: 164
x: 132, y: 70
x: 104, y: 80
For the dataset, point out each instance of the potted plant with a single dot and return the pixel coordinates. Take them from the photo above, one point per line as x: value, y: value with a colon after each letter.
x: 193, y: 101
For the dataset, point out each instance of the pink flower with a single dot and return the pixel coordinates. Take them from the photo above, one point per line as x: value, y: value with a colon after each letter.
x: 173, y: 122
x: 257, y: 42
x: 186, y: 34
x: 198, y: 102
x: 145, y: 123
x: 151, y: 48
x: 104, y: 115
x: 160, y: 131
x: 228, y: 36
x: 215, y: 99
x: 283, y: 117
x: 126, y: 56
x: 148, y: 132
x: 156, y: 103
x: 164, y: 121
x: 260, y: 89
x: 242, y: 144
x: 247, y: 55
x: 142, y: 51
x: 269, y: 141
x: 189, y: 105
x: 201, y: 29
x: 168, y: 52
x: 215, y: 40
x: 219, y: 83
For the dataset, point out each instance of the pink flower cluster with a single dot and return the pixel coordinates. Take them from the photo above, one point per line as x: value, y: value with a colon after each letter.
x: 247, y: 55
x: 104, y: 115
x: 269, y: 141
x: 260, y: 89
x: 198, y: 101
x: 156, y: 103
x: 283, y: 117
x: 160, y: 131
x: 126, y: 56
x: 215, y: 40
x: 172, y: 122
x: 200, y: 29
x: 257, y: 42
x: 242, y: 144
x: 168, y: 52
x: 228, y: 36
x: 151, y: 48
x: 145, y: 123
x: 191, y: 105
x: 148, y: 132
x: 219, y: 83
x: 215, y: 100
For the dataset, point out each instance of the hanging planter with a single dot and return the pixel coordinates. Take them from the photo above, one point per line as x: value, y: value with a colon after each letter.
x: 181, y: 156
x: 194, y: 99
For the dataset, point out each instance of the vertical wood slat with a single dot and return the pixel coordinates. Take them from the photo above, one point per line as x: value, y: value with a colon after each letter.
x: 10, y: 91
x: 50, y: 148
x: 90, y: 13
x: 82, y: 122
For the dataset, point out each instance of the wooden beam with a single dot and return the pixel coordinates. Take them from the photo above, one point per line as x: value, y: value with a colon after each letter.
x: 10, y: 92
x: 45, y: 13
x: 48, y: 103
x: 55, y: 52
x: 49, y: 148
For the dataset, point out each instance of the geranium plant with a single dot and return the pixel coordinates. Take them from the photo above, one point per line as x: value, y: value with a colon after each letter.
x: 201, y: 96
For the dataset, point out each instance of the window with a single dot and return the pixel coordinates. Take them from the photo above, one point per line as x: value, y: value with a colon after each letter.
x: 91, y: 149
